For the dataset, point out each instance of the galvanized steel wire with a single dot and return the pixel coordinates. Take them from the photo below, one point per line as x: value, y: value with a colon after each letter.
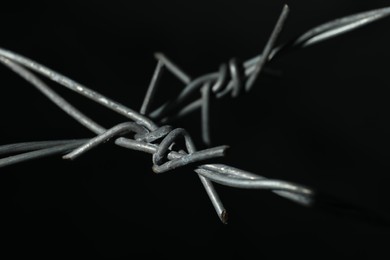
x: 146, y: 130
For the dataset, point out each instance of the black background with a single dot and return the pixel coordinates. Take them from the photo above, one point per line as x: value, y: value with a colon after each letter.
x: 324, y: 123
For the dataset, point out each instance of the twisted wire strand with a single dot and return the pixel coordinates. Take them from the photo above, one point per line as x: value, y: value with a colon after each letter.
x: 31, y: 146
x: 228, y: 80
x: 41, y: 152
x: 217, y: 172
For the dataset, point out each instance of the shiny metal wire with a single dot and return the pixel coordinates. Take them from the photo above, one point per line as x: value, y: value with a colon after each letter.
x: 142, y: 133
x: 146, y: 134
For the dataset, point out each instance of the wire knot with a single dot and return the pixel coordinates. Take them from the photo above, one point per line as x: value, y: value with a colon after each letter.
x: 237, y: 80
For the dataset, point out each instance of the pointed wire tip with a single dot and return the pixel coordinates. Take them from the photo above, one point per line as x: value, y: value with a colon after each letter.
x: 224, y: 217
x: 68, y: 157
x: 158, y: 55
x: 226, y: 150
x: 155, y: 169
x: 285, y: 11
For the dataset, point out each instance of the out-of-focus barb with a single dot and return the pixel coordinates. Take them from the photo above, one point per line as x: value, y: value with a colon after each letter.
x: 236, y: 78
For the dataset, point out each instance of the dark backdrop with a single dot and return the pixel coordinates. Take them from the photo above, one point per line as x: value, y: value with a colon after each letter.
x: 323, y: 123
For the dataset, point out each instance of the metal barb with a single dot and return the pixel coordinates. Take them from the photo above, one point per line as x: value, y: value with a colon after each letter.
x: 268, y: 48
x: 152, y: 88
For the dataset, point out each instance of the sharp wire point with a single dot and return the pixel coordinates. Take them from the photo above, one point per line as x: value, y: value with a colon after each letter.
x: 224, y: 217
x: 150, y: 93
x: 268, y: 48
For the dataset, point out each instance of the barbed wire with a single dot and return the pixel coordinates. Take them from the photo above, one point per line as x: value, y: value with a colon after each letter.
x: 237, y: 78
x: 147, y: 132
x: 161, y: 141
